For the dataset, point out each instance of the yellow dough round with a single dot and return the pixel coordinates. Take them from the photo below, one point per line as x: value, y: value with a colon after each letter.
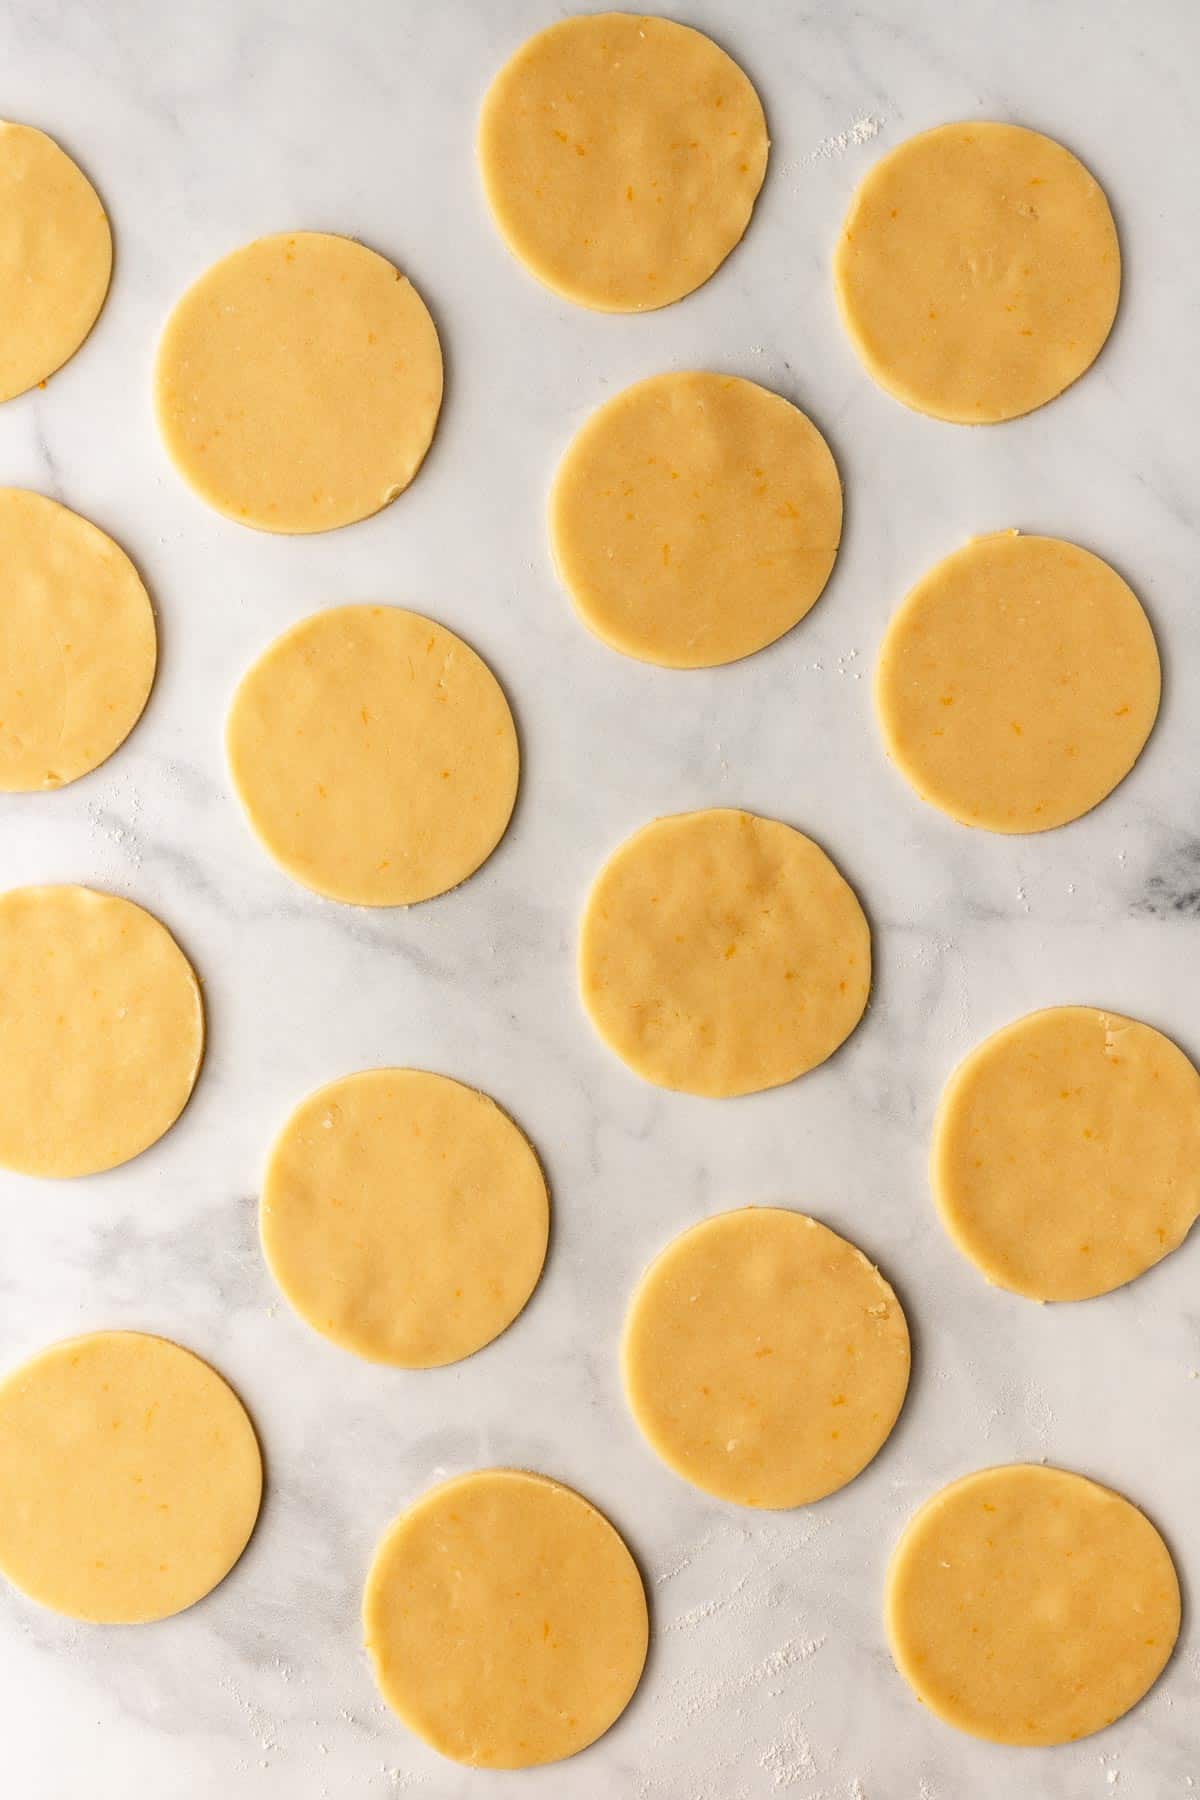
x: 55, y: 258
x: 1066, y: 1154
x: 695, y: 519
x: 1017, y: 683
x: 298, y: 383
x: 375, y: 755
x: 404, y: 1216
x: 621, y: 158
x: 1027, y: 1605
x: 722, y: 953
x: 130, y: 1478
x: 506, y: 1620
x: 978, y: 271
x: 77, y: 644
x: 765, y: 1359
x: 101, y: 1030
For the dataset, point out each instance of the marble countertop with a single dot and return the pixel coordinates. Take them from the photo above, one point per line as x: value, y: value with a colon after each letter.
x: 205, y: 126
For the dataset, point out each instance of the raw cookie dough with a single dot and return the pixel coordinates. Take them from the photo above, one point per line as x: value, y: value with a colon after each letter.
x: 721, y: 953
x: 101, y: 1030
x: 298, y: 383
x: 130, y: 1478
x: 621, y: 158
x: 375, y: 755
x: 55, y: 258
x: 1066, y: 1154
x: 505, y: 1619
x: 764, y: 1358
x: 1017, y: 683
x: 695, y: 518
x: 1027, y: 1605
x: 404, y: 1216
x: 77, y: 644
x: 978, y: 271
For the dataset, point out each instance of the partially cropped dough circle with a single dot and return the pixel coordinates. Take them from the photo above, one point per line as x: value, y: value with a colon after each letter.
x: 1027, y: 1605
x: 621, y: 158
x: 764, y: 1358
x: 55, y: 257
x: 130, y: 1478
x: 404, y: 1216
x: 978, y: 271
x: 77, y: 644
x: 375, y: 755
x: 298, y: 383
x: 101, y: 1030
x: 695, y: 518
x: 721, y: 953
x: 506, y: 1620
x: 1066, y: 1155
x: 1017, y: 683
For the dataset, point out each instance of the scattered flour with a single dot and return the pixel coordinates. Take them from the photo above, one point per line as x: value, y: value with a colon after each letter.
x: 863, y: 129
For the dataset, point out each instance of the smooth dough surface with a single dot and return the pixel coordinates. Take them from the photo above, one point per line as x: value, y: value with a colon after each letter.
x: 77, y: 644
x: 130, y: 1478
x: 1066, y: 1154
x: 978, y: 271
x: 765, y: 1359
x: 55, y: 257
x: 404, y: 1216
x: 1028, y: 1605
x: 621, y: 157
x: 375, y: 755
x: 101, y: 1030
x: 695, y: 518
x: 506, y: 1620
x: 721, y: 953
x: 298, y: 383
x: 1017, y: 683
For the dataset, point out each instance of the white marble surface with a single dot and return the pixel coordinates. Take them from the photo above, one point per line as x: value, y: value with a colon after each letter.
x: 204, y: 126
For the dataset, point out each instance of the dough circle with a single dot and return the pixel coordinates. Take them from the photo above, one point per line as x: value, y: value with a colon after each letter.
x: 722, y: 953
x: 404, y: 1216
x: 621, y: 158
x: 298, y: 383
x: 101, y: 1030
x: 978, y: 271
x: 695, y: 518
x: 1017, y: 683
x: 130, y: 1478
x: 1066, y: 1153
x: 506, y: 1620
x: 375, y: 755
x: 765, y: 1360
x: 77, y: 644
x: 55, y: 258
x: 1027, y: 1605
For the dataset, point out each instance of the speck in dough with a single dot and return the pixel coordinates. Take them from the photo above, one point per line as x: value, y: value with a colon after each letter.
x: 695, y: 518
x: 621, y: 157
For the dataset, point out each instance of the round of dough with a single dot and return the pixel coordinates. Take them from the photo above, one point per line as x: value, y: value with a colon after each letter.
x: 1027, y: 1605
x: 77, y: 644
x: 1017, y: 683
x: 695, y: 519
x: 375, y: 755
x: 722, y: 953
x: 506, y: 1620
x: 764, y: 1358
x: 621, y: 158
x: 1066, y: 1155
x: 55, y: 258
x: 101, y: 1030
x: 978, y: 271
x: 404, y: 1216
x: 298, y: 383
x: 130, y: 1478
